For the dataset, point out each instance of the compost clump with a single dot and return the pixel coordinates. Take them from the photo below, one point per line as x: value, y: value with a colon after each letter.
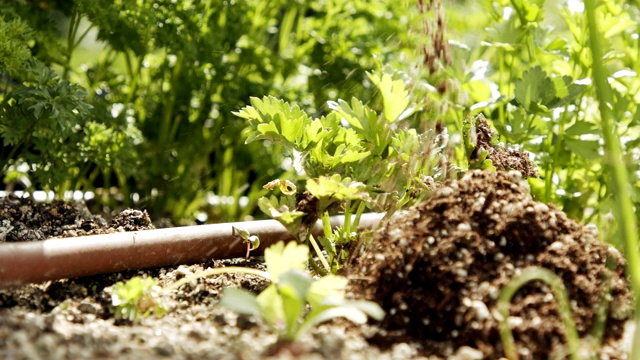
x: 438, y: 269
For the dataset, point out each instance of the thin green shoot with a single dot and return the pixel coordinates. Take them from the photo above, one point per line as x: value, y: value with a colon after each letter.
x: 504, y: 301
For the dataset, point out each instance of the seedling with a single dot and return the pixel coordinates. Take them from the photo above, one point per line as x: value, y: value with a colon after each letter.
x: 137, y: 298
x: 292, y: 305
x: 295, y: 302
x: 252, y: 241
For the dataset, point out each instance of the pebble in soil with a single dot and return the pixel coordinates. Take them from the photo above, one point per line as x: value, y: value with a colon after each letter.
x: 438, y: 269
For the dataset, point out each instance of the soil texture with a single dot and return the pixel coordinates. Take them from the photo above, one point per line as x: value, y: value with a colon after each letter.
x: 74, y: 318
x: 22, y: 219
x: 438, y: 270
x: 501, y: 157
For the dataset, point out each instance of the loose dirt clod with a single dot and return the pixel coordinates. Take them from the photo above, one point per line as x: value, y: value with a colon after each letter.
x: 501, y: 157
x: 438, y: 269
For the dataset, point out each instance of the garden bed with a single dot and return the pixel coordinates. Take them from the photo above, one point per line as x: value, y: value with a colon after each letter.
x: 437, y: 271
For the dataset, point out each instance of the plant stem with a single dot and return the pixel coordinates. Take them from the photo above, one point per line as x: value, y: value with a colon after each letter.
x: 215, y: 271
x: 347, y: 215
x: 319, y: 252
x: 509, y: 290
x: 613, y: 159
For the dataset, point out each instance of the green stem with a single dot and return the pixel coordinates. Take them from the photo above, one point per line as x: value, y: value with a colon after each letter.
x: 74, y: 23
x: 326, y: 224
x: 215, y: 271
x: 613, y: 160
x: 359, y: 212
x: 564, y: 310
x: 134, y: 76
x: 168, y: 117
x: 602, y: 310
x: 558, y: 149
x: 324, y: 262
x: 73, y: 40
x: 347, y: 218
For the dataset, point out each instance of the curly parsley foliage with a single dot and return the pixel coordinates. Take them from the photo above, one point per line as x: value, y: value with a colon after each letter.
x: 164, y: 76
x: 14, y: 44
x: 47, y: 122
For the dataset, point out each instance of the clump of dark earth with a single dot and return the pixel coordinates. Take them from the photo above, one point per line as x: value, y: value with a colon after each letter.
x: 23, y: 219
x: 501, y: 157
x: 438, y: 269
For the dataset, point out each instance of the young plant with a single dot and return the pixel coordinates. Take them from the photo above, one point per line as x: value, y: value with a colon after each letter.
x: 352, y: 158
x: 136, y: 298
x: 295, y: 302
x: 252, y: 241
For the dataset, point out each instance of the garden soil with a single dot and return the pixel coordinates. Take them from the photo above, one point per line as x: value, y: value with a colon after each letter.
x: 436, y: 269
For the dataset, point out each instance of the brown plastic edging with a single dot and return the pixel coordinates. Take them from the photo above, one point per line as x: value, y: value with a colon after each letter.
x: 31, y: 262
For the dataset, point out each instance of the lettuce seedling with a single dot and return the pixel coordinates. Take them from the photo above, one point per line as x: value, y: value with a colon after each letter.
x: 295, y: 302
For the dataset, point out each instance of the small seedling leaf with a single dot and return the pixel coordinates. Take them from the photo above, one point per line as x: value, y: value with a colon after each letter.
x: 330, y: 286
x: 280, y: 258
x: 240, y: 301
x: 271, y: 307
x: 350, y: 313
x: 293, y: 286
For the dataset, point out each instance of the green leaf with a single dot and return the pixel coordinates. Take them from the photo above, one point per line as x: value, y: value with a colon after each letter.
x: 274, y: 119
x: 395, y: 97
x: 588, y: 149
x: 297, y: 282
x: 330, y: 286
x: 532, y: 89
x: 137, y: 297
x: 337, y: 188
x: 538, y: 93
x: 240, y: 301
x: 282, y: 210
x: 280, y: 258
x: 272, y: 311
x: 293, y: 286
x: 355, y: 312
x: 364, y: 120
x: 581, y: 127
x: 368, y: 307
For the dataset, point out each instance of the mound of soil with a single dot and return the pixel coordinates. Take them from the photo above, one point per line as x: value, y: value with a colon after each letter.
x: 438, y: 269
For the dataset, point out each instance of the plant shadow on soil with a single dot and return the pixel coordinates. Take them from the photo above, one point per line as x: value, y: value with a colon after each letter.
x: 436, y: 269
